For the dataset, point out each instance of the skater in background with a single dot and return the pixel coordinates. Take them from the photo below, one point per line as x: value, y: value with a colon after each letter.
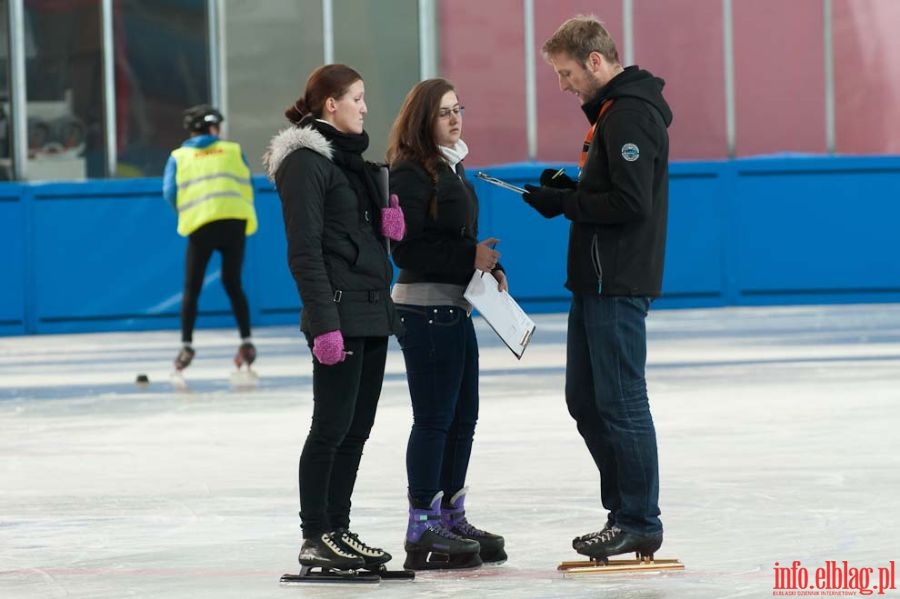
x: 437, y: 259
x: 208, y: 182
x: 336, y: 227
x: 618, y: 210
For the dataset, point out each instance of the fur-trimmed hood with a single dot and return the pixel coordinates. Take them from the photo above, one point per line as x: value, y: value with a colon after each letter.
x: 290, y: 139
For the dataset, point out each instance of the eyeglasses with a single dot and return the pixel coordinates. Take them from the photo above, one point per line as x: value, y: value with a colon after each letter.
x: 444, y: 113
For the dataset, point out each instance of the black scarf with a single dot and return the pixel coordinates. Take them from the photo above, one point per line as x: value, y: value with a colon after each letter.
x: 348, y: 149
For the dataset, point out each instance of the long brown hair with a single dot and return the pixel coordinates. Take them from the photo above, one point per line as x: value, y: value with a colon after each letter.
x: 328, y: 81
x: 412, y: 135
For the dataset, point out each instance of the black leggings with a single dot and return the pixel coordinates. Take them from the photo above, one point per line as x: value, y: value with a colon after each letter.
x: 226, y: 236
x: 345, y: 397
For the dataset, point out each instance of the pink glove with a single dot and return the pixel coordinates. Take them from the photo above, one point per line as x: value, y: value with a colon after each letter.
x: 393, y: 226
x: 328, y: 348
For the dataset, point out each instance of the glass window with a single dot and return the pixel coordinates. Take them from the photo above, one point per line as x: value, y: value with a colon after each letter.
x: 381, y: 41
x: 6, y: 170
x: 64, y: 75
x: 162, y: 67
x: 271, y: 46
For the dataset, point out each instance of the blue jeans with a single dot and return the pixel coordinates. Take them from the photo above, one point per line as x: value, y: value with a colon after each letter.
x: 606, y: 394
x: 441, y: 354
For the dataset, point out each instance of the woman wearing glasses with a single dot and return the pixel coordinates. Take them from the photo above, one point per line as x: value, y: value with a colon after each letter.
x: 436, y: 259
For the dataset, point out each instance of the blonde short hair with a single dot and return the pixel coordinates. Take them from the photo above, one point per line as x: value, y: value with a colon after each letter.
x: 578, y: 37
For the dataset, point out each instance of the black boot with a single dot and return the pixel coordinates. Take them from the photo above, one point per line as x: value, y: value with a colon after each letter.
x: 578, y: 542
x: 349, y: 542
x: 453, y: 516
x: 327, y: 553
x: 616, y: 541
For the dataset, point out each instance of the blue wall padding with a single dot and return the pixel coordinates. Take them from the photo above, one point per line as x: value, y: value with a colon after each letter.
x: 104, y: 255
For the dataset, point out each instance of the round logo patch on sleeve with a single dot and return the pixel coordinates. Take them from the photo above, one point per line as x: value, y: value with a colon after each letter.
x: 630, y: 152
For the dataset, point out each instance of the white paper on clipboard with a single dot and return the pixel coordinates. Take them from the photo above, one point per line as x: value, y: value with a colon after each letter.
x: 501, y: 312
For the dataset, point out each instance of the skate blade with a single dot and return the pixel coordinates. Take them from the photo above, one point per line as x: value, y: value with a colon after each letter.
x: 433, y: 561
x: 619, y: 565
x: 244, y: 380
x: 178, y: 381
x: 330, y: 577
x: 386, y: 574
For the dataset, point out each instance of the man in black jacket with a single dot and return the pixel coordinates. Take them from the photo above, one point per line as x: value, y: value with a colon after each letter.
x: 617, y: 208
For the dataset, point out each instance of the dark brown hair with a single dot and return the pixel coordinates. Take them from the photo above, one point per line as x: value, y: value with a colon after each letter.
x: 412, y: 135
x: 328, y: 81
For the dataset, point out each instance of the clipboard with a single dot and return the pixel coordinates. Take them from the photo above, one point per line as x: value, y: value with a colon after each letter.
x: 504, y: 315
x: 382, y: 178
x: 499, y: 182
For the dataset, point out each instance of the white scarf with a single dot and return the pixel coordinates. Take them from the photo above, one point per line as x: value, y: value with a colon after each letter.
x: 456, y: 154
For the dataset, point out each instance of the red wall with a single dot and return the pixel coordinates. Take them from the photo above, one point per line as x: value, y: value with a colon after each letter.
x: 867, y: 76
x: 693, y: 68
x: 482, y: 52
x: 779, y: 74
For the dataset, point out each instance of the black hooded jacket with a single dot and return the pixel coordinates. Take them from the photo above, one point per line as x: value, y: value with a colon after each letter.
x: 619, y: 209
x: 335, y: 253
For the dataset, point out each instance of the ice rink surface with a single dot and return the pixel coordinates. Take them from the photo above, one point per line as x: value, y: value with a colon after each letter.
x: 778, y: 435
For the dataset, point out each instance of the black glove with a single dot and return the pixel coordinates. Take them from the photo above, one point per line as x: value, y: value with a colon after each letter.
x: 547, y: 201
x: 549, y: 178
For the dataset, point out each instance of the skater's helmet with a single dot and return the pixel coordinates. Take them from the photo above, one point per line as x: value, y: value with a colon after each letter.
x: 198, y: 119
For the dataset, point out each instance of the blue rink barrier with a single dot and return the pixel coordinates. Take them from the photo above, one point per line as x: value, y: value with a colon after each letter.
x: 104, y: 255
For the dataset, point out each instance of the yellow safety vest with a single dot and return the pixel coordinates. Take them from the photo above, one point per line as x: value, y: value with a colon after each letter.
x: 213, y: 184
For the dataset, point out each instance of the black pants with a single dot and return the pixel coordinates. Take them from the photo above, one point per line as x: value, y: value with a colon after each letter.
x: 226, y: 236
x: 345, y: 398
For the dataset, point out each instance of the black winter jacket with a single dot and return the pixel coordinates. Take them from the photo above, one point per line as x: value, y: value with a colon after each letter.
x: 338, y: 261
x: 619, y: 210
x: 441, y: 249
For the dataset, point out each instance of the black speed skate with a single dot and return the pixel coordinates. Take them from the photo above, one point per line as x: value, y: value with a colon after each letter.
x: 615, y: 541
x: 578, y: 542
x: 372, y: 556
x: 375, y: 558
x: 246, y: 354
x: 323, y: 559
x: 184, y: 358
x: 242, y: 379
x: 182, y: 361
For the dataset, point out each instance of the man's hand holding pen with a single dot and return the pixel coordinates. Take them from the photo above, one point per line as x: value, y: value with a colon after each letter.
x: 548, y: 198
x: 557, y: 179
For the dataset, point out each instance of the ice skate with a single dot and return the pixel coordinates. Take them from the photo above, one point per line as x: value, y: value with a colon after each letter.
x: 323, y: 559
x: 615, y: 541
x: 182, y: 360
x: 242, y: 378
x: 374, y: 557
x: 246, y: 354
x: 578, y: 542
x: 453, y: 516
x: 430, y: 546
